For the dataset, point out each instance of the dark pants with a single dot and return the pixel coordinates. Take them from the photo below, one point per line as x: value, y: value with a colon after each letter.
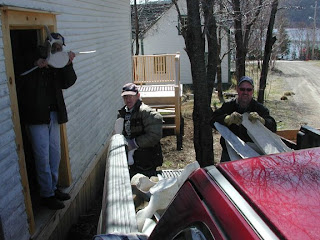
x: 133, y: 170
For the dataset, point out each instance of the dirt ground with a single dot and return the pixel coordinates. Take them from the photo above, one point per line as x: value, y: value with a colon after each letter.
x: 281, y: 110
x: 174, y: 159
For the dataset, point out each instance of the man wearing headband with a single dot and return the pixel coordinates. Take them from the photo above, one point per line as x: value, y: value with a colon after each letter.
x: 142, y: 128
x: 42, y: 110
x: 230, y: 114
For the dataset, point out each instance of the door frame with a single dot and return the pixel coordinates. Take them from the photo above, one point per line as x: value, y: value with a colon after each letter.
x: 15, y: 18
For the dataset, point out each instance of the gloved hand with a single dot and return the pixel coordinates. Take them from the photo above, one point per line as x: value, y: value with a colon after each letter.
x: 131, y: 143
x: 254, y: 116
x: 233, y: 118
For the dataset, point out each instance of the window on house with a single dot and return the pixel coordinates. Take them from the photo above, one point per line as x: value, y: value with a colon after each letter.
x: 160, y: 65
x: 182, y: 23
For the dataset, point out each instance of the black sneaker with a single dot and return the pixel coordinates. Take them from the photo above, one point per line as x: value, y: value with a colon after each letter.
x: 61, y: 195
x: 52, y: 203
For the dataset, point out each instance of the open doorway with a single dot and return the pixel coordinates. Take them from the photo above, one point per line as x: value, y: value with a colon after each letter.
x: 22, y: 32
x: 27, y: 46
x: 24, y: 52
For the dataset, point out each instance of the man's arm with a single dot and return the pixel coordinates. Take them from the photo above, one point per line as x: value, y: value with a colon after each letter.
x: 68, y: 76
x: 270, y: 123
x: 220, y: 114
x: 152, y: 122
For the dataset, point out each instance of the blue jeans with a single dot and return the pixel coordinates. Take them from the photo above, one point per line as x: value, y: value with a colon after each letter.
x: 45, y: 141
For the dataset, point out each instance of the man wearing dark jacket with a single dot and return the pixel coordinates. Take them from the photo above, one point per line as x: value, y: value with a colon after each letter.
x: 142, y: 128
x: 230, y: 114
x: 42, y: 109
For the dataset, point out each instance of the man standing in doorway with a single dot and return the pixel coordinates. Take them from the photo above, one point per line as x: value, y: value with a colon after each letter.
x: 42, y: 109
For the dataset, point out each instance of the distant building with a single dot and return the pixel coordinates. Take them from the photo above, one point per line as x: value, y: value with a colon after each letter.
x: 160, y: 34
x: 301, y: 39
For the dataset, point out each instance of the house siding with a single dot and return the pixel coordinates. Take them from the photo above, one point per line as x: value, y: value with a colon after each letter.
x: 12, y: 208
x: 163, y: 37
x: 92, y: 102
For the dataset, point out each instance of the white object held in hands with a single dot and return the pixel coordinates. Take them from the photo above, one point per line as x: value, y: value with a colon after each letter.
x: 118, y: 126
x: 57, y: 60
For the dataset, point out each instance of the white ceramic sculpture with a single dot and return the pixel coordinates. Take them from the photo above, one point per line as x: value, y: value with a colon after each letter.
x: 162, y: 193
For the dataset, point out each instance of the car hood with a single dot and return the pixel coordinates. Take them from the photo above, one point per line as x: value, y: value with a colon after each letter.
x: 284, y: 189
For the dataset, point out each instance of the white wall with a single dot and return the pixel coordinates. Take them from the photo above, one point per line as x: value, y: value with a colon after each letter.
x: 92, y: 102
x: 163, y: 38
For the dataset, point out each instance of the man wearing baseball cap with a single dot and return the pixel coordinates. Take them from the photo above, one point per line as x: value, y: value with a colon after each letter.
x: 230, y: 113
x: 42, y: 110
x: 142, y: 128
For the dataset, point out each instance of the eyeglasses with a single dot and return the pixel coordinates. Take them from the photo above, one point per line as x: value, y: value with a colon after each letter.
x: 245, y: 89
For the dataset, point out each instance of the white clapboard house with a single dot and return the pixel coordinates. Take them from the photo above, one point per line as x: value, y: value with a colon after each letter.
x: 92, y: 105
x: 159, y: 33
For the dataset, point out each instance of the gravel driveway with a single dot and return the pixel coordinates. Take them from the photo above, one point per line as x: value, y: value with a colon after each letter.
x: 303, y: 79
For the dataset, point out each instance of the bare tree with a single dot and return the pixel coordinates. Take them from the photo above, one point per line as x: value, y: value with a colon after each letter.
x: 281, y: 46
x: 245, y: 14
x: 223, y: 35
x: 136, y: 27
x: 210, y: 30
x: 203, y: 76
x: 270, y: 40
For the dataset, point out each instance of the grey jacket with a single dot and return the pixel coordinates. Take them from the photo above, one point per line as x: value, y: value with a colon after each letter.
x: 145, y: 124
x: 146, y: 129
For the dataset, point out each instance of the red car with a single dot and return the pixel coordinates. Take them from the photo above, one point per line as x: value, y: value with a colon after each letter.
x: 267, y: 197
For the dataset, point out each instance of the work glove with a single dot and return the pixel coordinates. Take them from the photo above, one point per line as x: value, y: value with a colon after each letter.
x: 233, y: 118
x: 132, y: 145
x: 254, y: 116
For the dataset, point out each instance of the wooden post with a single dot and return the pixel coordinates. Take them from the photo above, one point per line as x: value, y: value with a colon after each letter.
x: 65, y: 178
x: 15, y: 116
x: 178, y: 102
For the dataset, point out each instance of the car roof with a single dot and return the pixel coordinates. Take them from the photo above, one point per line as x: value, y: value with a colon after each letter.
x: 284, y: 189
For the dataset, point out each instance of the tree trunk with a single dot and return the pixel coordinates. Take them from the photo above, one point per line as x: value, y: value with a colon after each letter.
x: 240, y: 51
x: 242, y: 35
x: 219, y: 71
x: 195, y: 47
x: 211, y: 34
x: 137, y: 27
x: 267, y: 53
x: 219, y: 82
